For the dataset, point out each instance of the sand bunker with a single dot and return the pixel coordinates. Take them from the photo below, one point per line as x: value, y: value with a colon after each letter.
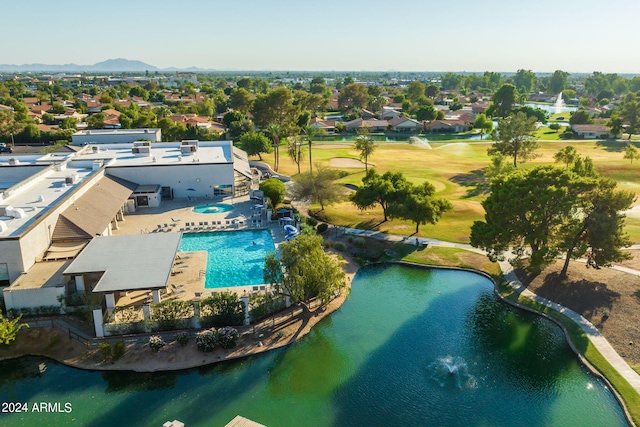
x: 345, y: 162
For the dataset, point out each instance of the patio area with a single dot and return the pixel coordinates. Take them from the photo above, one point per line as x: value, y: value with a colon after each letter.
x: 188, y: 275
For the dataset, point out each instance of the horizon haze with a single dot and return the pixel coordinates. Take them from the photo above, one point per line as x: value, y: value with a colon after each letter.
x: 250, y: 35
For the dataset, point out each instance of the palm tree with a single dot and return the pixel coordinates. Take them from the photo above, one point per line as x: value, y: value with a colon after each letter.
x: 365, y: 144
x: 274, y: 132
x: 310, y: 132
x: 294, y: 149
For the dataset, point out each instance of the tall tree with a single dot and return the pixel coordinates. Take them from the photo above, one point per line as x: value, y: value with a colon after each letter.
x: 302, y: 271
x: 526, y: 212
x: 274, y: 132
x: 631, y: 113
x: 422, y: 207
x: 525, y: 80
x: 241, y: 100
x: 503, y: 100
x: 353, y: 95
x: 274, y: 190
x: 294, y: 150
x: 567, y: 155
x: 276, y: 107
x: 597, y: 232
x: 309, y: 133
x: 431, y: 90
x: 255, y: 143
x: 558, y: 81
x: 320, y: 188
x: 365, y: 144
x: 483, y: 123
x: 616, y: 125
x: 415, y: 90
x: 384, y: 190
x: 631, y: 152
x: 516, y: 138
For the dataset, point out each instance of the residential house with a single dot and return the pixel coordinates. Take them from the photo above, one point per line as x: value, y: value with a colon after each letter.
x: 448, y: 126
x: 592, y: 131
x: 328, y: 126
x: 479, y: 107
x: 194, y: 120
x: 388, y: 113
x: 405, y: 124
x: 373, y: 124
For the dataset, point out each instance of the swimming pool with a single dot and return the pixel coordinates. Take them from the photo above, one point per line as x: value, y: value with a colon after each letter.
x: 235, y: 258
x: 213, y: 208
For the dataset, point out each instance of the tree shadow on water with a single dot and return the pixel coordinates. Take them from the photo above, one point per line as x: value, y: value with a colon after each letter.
x: 400, y: 382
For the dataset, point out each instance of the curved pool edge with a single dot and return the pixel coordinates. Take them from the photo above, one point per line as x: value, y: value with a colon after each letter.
x: 518, y: 288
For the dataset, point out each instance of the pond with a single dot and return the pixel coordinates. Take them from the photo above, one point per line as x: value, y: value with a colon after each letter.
x: 410, y: 347
x: 552, y: 108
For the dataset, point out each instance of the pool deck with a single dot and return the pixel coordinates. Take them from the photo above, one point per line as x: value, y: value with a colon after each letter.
x: 189, y: 270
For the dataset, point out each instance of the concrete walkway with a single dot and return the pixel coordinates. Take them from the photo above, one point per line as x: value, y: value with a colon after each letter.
x: 596, y: 338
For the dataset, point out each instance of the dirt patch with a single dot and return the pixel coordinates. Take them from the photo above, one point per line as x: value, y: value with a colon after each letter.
x: 345, y: 162
x: 609, y: 299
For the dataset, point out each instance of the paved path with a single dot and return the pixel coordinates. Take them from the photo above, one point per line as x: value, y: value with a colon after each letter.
x: 596, y: 338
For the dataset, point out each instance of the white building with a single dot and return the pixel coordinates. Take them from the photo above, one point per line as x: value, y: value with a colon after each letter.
x: 115, y: 136
x: 52, y: 205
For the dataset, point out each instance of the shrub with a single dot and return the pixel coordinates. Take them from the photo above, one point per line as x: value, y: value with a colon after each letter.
x: 227, y: 337
x: 171, y: 314
x: 264, y: 304
x: 182, y: 338
x: 9, y: 329
x: 206, y: 340
x: 156, y: 343
x: 327, y: 243
x: 322, y: 227
x: 105, y: 350
x: 118, y: 350
x: 359, y: 242
x: 312, y: 221
x: 221, y: 309
x: 339, y: 246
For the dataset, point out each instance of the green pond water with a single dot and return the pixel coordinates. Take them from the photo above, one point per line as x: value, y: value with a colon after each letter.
x: 410, y: 347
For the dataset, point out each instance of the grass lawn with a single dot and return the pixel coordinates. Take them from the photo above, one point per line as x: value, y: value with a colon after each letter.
x: 456, y: 170
x: 544, y: 133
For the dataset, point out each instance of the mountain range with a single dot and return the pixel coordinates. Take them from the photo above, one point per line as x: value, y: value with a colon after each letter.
x: 110, y: 65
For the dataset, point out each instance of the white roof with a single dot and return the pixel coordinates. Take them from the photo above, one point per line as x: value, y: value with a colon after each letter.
x: 38, y: 193
x: 163, y: 153
x: 129, y: 262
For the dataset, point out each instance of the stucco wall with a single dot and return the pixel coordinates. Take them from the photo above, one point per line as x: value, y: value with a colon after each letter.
x: 188, y: 180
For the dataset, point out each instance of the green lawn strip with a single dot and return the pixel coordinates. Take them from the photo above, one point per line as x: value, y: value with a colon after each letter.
x: 451, y: 257
x: 544, y: 133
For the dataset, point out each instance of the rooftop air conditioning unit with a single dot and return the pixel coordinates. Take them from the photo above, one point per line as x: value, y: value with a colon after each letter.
x: 71, y: 179
x: 95, y: 148
x: 14, y: 161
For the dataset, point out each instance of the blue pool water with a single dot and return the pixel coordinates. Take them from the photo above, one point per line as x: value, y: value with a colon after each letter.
x: 213, y: 208
x: 236, y: 258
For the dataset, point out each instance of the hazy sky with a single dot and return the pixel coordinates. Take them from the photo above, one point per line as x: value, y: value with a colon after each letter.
x: 405, y: 35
